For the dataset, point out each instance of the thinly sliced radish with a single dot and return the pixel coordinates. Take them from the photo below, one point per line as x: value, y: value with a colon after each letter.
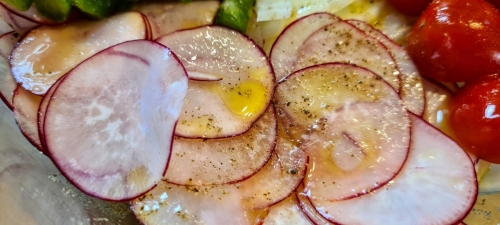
x: 342, y: 42
x: 287, y: 212
x: 437, y: 185
x: 4, y: 26
x: 31, y: 14
x: 209, y: 205
x: 411, y: 90
x: 19, y: 24
x: 285, y: 49
x: 7, y: 82
x: 230, y: 106
x: 224, y: 160
x: 309, y: 210
x: 46, y: 53
x: 25, y: 108
x: 109, y: 124
x: 352, y: 125
x: 41, y: 112
x: 167, y: 17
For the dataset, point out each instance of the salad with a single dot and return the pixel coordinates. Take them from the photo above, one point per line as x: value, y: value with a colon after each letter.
x: 307, y: 117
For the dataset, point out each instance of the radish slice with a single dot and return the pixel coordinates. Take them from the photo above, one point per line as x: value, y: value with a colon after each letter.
x: 167, y: 17
x: 286, y: 212
x: 46, y: 53
x: 437, y: 185
x: 25, y: 108
x: 110, y: 133
x: 342, y: 42
x: 352, y: 125
x: 31, y: 14
x: 19, y: 24
x: 309, y: 210
x: 41, y: 112
x: 210, y: 205
x: 7, y: 82
x: 411, y: 82
x: 4, y: 26
x: 285, y: 49
x: 230, y: 106
x: 219, y: 161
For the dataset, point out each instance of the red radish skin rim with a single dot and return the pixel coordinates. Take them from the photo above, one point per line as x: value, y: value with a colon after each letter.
x: 41, y: 118
x: 30, y: 140
x: 245, y: 177
x: 263, y: 54
x: 381, y: 184
x: 58, y: 166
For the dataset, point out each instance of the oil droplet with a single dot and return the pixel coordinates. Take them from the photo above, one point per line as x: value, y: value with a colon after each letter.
x: 245, y: 99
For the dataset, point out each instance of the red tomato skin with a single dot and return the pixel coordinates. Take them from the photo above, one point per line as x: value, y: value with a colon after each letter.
x: 410, y: 7
x: 456, y: 40
x: 475, y: 117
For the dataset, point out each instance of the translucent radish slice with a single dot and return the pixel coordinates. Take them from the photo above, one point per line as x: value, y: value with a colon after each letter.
x: 342, y: 42
x: 25, y: 108
x: 309, y: 210
x: 230, y: 106
x: 19, y: 24
x: 285, y: 49
x: 110, y: 132
x: 209, y: 205
x: 7, y: 82
x: 411, y: 82
x: 46, y: 53
x: 4, y: 26
x: 352, y: 125
x: 41, y: 112
x: 224, y: 160
x: 31, y: 14
x: 286, y: 212
x: 167, y: 17
x: 437, y: 185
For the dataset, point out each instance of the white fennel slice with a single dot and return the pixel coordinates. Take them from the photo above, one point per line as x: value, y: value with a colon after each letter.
x: 437, y: 185
x: 230, y: 105
x: 110, y: 132
x: 351, y: 124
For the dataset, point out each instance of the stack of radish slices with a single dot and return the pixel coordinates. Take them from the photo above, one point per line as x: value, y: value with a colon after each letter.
x: 201, y: 127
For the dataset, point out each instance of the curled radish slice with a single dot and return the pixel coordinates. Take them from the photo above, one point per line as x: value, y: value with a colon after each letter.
x: 411, y: 90
x: 7, y: 82
x: 244, y: 89
x: 285, y: 49
x: 286, y: 212
x: 352, y: 125
x: 25, y: 108
x: 41, y: 112
x: 224, y: 160
x: 342, y: 42
x: 167, y: 17
x: 46, y: 53
x: 437, y: 185
x: 309, y: 210
x: 110, y: 133
x: 208, y: 205
x: 31, y: 14
x: 19, y: 24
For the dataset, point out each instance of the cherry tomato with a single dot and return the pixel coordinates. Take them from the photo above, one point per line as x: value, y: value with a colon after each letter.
x: 475, y: 117
x: 456, y: 40
x: 410, y: 7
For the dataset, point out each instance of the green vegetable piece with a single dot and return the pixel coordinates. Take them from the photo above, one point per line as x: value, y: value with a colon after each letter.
x: 57, y: 10
x: 235, y: 14
x: 98, y: 8
x: 21, y: 5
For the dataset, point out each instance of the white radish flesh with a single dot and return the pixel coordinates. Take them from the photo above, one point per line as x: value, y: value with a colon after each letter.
x: 285, y: 49
x: 352, y: 125
x: 437, y: 185
x: 25, y: 108
x: 224, y: 160
x: 342, y: 42
x: 230, y: 106
x: 46, y: 53
x: 7, y: 82
x: 110, y: 133
x: 42, y: 109
x: 19, y: 24
x: 286, y: 212
x: 411, y: 90
x: 309, y: 210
